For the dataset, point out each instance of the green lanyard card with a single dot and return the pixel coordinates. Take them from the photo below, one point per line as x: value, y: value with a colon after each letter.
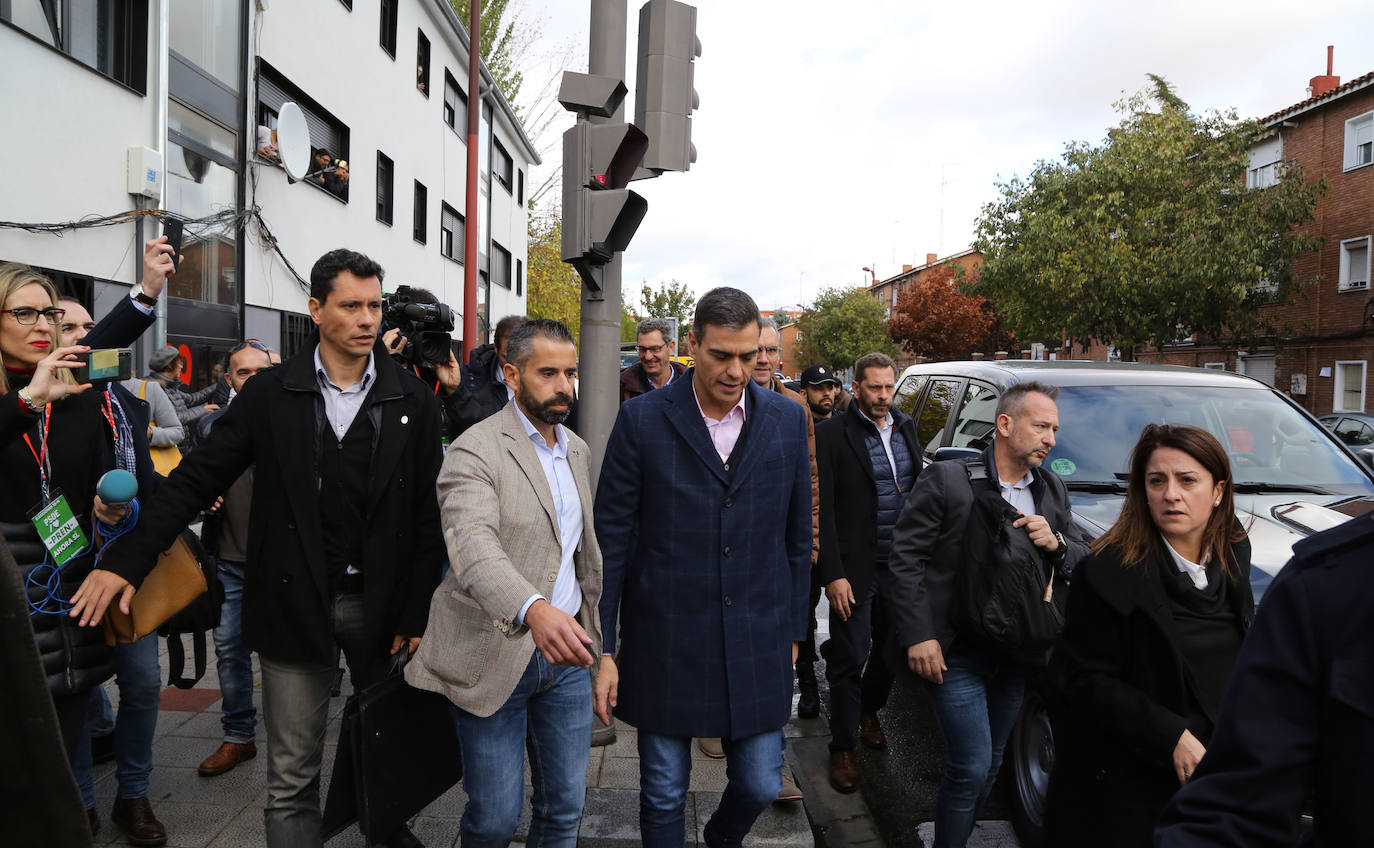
x: 58, y: 529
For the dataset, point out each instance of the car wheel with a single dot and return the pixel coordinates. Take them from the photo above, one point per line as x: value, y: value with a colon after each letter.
x: 1032, y: 760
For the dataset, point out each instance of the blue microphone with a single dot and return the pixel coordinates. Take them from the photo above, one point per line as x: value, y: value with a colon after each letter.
x: 117, y: 487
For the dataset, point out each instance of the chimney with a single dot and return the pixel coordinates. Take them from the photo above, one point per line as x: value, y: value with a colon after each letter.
x: 976, y: 356
x: 999, y: 355
x: 1325, y: 84
x: 905, y: 268
x: 931, y: 257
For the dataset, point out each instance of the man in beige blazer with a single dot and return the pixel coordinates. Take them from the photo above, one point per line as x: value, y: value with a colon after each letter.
x: 513, y: 627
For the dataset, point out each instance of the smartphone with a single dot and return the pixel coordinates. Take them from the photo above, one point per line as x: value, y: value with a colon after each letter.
x: 171, y: 228
x: 105, y: 365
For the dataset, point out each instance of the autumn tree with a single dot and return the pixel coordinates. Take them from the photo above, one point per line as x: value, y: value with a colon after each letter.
x: 1148, y: 237
x: 839, y: 327
x: 935, y: 320
x: 555, y: 290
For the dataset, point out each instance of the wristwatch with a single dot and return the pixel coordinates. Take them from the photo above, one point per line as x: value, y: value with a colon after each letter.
x: 143, y: 298
x: 26, y: 400
x: 1063, y: 549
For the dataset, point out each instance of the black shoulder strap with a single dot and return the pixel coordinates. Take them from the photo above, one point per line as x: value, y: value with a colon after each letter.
x: 176, y: 659
x: 976, y: 470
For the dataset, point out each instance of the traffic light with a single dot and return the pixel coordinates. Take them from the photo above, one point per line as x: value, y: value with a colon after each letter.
x: 600, y: 215
x: 664, y: 92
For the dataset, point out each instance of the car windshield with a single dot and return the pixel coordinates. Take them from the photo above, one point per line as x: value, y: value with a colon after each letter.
x: 1270, y: 444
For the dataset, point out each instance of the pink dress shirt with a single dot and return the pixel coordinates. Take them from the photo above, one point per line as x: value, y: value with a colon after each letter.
x: 725, y: 431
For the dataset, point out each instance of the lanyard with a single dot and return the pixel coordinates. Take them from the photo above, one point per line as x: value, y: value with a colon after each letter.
x: 41, y: 456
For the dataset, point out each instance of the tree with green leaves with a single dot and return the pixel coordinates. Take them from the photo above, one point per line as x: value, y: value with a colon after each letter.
x: 841, y: 326
x: 503, y: 42
x: 670, y: 300
x: 1149, y: 237
x: 555, y: 290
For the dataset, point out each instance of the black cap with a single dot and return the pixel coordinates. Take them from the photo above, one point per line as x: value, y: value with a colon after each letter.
x: 818, y: 374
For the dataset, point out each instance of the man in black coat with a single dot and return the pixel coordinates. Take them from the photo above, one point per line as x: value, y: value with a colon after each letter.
x: 1297, y: 722
x: 344, y: 543
x: 867, y: 461
x: 975, y: 690
x: 482, y: 390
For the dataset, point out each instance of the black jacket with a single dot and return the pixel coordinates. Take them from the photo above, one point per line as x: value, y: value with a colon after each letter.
x: 80, y: 450
x: 929, y: 540
x: 1297, y: 722
x: 121, y: 327
x: 274, y: 424
x: 849, y: 496
x: 1124, y: 693
x: 479, y: 395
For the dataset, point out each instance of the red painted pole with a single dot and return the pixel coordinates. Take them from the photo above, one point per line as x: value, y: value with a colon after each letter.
x: 470, y: 210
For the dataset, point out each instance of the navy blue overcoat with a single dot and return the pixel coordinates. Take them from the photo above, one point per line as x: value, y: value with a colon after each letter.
x: 706, y: 563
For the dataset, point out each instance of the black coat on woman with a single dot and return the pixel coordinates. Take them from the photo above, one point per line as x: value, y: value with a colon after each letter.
x: 80, y: 450
x: 1127, y: 693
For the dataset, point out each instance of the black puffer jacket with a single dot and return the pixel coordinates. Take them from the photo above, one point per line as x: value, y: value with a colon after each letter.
x: 74, y: 658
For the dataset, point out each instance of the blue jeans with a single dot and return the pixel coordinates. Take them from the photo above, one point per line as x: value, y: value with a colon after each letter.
x: 233, y: 660
x: 976, y: 706
x: 549, y: 715
x: 753, y: 771
x: 139, y: 678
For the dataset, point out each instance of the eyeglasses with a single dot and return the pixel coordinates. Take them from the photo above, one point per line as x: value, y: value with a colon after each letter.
x: 28, y: 316
x: 250, y: 343
x: 654, y: 349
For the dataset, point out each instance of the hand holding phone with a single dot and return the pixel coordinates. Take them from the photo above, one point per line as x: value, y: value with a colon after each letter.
x: 172, y: 229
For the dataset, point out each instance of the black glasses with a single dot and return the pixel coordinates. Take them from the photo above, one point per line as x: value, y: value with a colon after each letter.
x: 28, y: 316
x: 654, y: 349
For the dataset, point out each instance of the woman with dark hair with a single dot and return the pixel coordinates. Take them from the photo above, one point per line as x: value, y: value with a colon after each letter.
x: 1154, y: 624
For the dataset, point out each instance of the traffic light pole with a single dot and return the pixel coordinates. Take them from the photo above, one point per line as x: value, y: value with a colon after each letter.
x: 599, y: 376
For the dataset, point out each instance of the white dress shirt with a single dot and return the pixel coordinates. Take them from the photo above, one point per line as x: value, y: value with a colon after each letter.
x: 1197, y: 572
x: 884, y: 428
x: 341, y: 405
x: 567, y: 594
x: 1019, y: 495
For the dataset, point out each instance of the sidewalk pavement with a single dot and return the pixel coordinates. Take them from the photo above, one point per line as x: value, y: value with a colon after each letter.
x: 226, y: 811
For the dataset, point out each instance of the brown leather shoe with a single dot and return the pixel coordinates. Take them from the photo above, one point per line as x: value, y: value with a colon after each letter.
x: 844, y: 774
x: 711, y: 747
x: 789, y: 792
x: 871, y: 732
x: 135, y: 817
x: 229, y: 755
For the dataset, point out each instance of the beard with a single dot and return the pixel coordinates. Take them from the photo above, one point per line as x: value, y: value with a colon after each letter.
x: 544, y: 411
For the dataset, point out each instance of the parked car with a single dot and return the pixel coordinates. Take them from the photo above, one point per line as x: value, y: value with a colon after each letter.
x: 1356, y: 429
x: 1293, y: 476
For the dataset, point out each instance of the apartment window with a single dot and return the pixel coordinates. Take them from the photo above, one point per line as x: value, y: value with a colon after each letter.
x: 108, y: 36
x: 1354, y: 274
x: 455, y: 105
x: 451, y: 233
x: 1265, y: 158
x: 1349, y: 386
x: 385, y: 171
x: 1359, y: 141
x: 520, y: 182
x: 519, y: 277
x: 296, y: 332
x: 328, y: 135
x: 388, y: 27
x: 500, y: 266
x: 422, y: 62
x: 421, y: 214
x: 502, y: 165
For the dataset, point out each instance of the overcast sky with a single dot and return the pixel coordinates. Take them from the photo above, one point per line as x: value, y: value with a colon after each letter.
x: 834, y: 136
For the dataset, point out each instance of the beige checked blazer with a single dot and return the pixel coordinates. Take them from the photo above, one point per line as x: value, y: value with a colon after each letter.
x: 501, y: 527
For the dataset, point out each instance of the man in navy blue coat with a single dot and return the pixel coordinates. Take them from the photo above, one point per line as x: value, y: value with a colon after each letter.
x: 703, y: 511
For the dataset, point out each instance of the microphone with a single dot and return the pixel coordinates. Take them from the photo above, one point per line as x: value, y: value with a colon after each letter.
x: 117, y: 487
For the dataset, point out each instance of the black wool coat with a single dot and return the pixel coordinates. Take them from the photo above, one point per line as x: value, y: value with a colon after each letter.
x: 1123, y: 691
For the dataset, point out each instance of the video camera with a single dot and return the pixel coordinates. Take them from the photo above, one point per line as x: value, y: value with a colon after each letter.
x: 425, y: 326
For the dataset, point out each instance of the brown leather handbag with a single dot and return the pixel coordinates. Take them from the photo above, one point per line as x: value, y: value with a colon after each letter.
x: 176, y: 581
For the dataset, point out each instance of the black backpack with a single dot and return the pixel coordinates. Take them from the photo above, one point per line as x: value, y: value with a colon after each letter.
x: 1013, y: 599
x: 199, y: 617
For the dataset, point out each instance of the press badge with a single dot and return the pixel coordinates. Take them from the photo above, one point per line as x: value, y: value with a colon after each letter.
x: 58, y: 529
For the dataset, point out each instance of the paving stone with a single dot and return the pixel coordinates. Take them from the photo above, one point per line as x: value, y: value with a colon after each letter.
x: 986, y: 834
x: 611, y: 819
x: 779, y: 825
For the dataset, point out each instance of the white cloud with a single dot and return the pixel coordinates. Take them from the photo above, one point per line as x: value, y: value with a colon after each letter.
x: 832, y: 137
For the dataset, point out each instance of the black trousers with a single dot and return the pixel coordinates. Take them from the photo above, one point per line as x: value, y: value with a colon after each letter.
x: 806, y: 651
x: 860, y: 680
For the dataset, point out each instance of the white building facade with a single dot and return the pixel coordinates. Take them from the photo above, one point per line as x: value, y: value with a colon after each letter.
x: 384, y: 89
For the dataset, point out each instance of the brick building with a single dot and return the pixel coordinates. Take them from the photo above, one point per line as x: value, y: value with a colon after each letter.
x: 1324, y: 365
x: 889, y: 290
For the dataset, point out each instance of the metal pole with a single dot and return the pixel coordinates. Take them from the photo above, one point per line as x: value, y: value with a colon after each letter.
x: 599, y: 377
x: 163, y: 33
x: 470, y: 224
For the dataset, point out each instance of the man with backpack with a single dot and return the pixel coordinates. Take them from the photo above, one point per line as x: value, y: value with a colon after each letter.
x: 944, y: 550
x: 867, y: 460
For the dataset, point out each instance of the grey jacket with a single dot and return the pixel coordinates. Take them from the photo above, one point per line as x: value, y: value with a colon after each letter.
x: 164, y: 425
x: 189, y: 406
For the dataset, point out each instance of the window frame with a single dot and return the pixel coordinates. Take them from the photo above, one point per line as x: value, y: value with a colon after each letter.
x: 315, y: 114
x: 1349, y: 149
x: 455, y: 236
x: 451, y: 84
x: 1263, y: 174
x: 501, y: 155
x: 502, y: 265
x: 1338, y: 395
x: 422, y: 54
x: 387, y: 25
x: 1343, y: 278
x: 132, y: 30
x: 519, y: 277
x: 386, y: 188
x: 419, y: 213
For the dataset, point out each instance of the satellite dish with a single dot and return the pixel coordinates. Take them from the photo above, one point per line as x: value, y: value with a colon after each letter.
x: 293, y: 141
